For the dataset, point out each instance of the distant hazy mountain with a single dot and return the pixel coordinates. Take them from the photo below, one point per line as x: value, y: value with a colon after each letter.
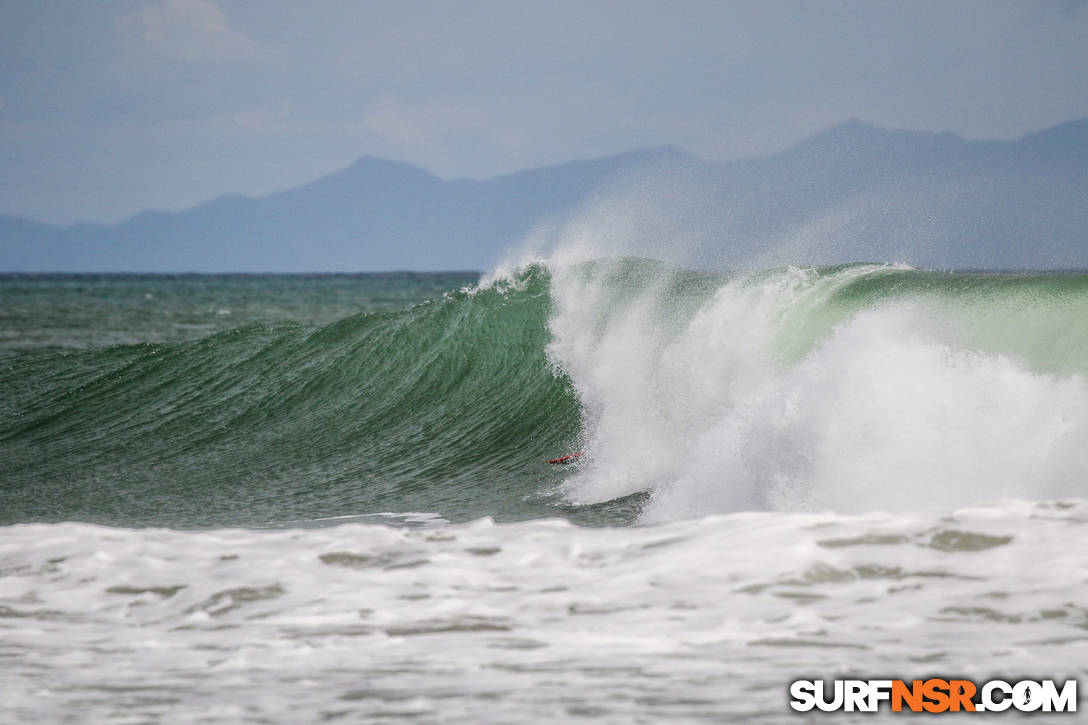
x: 852, y: 193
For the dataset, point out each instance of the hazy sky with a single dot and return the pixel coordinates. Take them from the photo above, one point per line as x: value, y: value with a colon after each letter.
x: 107, y: 108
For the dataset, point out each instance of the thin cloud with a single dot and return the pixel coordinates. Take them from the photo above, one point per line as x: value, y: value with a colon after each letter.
x: 268, y: 120
x: 188, y: 30
x: 429, y: 127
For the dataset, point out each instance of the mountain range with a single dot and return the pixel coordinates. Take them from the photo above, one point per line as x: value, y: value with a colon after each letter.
x: 852, y: 193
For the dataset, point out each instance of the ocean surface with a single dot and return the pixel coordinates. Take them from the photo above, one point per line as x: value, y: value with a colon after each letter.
x: 325, y: 498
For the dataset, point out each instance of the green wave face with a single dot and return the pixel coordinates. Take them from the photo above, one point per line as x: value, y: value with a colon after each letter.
x: 860, y: 386
x: 449, y: 406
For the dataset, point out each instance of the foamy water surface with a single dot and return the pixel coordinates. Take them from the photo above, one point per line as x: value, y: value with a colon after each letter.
x: 698, y: 620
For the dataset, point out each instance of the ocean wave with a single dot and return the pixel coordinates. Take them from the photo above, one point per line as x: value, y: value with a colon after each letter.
x: 849, y: 388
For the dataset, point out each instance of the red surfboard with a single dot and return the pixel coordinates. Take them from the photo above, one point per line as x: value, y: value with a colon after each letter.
x: 566, y: 459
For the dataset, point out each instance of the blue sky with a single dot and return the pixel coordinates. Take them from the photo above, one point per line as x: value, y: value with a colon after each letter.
x: 108, y: 108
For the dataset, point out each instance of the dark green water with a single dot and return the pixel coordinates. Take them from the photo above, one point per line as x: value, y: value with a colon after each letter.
x: 201, y: 401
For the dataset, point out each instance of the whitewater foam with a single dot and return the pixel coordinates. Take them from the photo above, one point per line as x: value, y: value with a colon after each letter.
x: 703, y: 620
x: 789, y: 390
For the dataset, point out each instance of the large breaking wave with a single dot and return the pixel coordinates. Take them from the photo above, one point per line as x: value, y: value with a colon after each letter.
x: 849, y: 388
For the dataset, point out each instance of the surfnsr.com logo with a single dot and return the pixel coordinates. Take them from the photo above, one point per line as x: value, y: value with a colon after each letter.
x: 933, y: 695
